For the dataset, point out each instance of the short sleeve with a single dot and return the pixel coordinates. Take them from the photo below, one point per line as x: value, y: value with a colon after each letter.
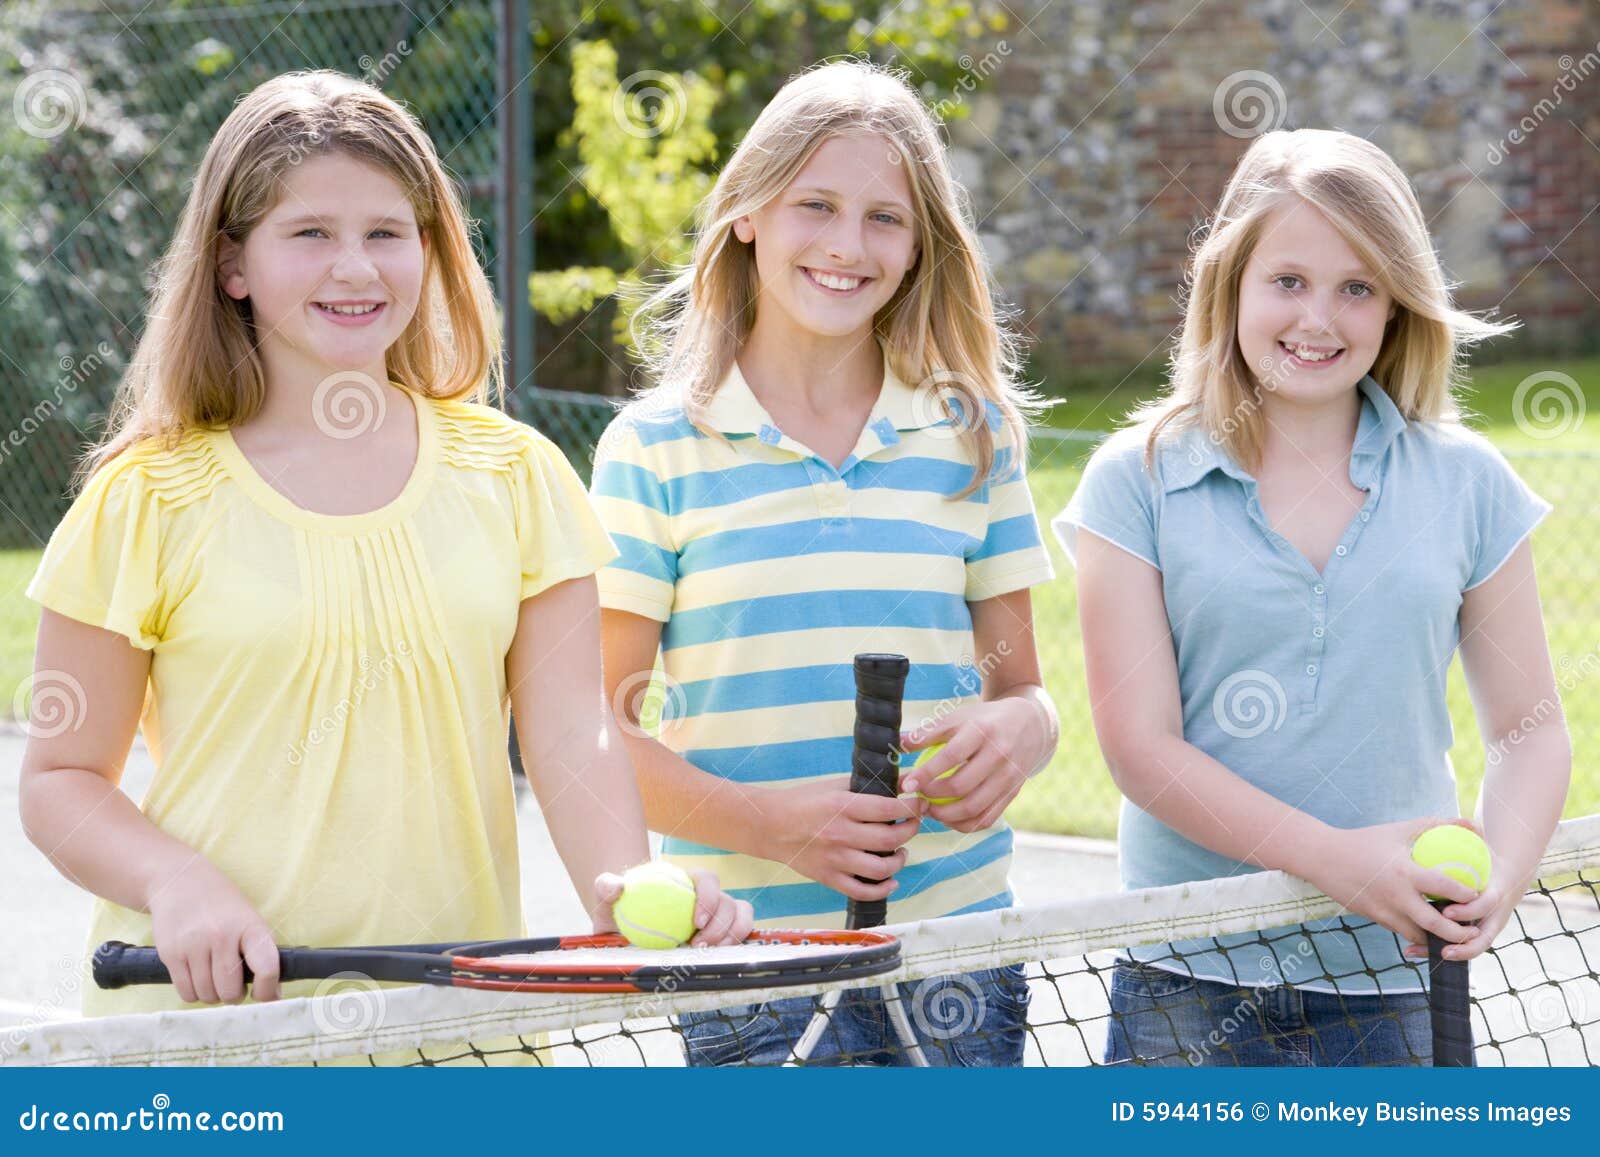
x: 1012, y: 556
x: 1114, y: 500
x: 102, y: 564
x: 631, y: 499
x: 1506, y: 511
x: 558, y: 534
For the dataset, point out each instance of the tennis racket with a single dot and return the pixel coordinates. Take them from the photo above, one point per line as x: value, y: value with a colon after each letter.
x: 596, y: 963
x: 1449, y: 1005
x: 874, y: 761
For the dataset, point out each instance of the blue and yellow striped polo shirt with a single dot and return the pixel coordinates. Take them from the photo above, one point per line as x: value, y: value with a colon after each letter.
x: 771, y: 570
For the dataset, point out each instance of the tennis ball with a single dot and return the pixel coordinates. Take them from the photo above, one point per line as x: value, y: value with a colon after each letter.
x: 923, y: 756
x: 1458, y: 852
x: 656, y: 908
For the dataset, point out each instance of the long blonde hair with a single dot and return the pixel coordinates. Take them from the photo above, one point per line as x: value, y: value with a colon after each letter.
x: 942, y: 331
x: 1366, y: 197
x: 197, y: 364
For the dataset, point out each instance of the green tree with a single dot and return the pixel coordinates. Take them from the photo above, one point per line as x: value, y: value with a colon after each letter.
x: 637, y: 101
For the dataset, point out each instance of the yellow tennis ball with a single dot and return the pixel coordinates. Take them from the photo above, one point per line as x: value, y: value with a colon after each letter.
x: 923, y: 756
x: 1458, y: 852
x: 656, y: 908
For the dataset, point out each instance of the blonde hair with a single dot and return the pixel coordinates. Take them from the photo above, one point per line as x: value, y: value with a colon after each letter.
x: 941, y: 332
x: 197, y: 364
x: 1366, y: 197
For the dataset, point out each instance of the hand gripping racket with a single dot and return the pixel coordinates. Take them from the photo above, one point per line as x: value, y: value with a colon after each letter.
x: 597, y: 963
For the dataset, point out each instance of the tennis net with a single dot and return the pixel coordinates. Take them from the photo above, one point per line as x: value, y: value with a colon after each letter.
x: 1535, y: 994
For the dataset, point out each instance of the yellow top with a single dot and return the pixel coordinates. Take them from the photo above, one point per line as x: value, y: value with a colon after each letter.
x: 327, y: 707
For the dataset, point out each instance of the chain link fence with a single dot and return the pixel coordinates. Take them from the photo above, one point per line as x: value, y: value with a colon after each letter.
x: 113, y: 106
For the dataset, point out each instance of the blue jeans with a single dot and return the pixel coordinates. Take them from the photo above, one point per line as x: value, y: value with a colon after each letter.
x: 974, y: 1020
x: 1169, y: 1019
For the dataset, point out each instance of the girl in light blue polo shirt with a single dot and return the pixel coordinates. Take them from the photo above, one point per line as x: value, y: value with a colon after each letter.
x: 1281, y: 557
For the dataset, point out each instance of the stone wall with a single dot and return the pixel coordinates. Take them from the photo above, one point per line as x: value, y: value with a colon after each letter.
x: 1101, y: 134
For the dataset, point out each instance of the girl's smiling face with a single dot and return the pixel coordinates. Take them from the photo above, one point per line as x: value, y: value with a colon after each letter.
x: 333, y: 272
x: 1311, y: 315
x: 833, y: 247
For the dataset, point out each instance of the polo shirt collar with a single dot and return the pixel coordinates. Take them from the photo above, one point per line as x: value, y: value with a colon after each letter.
x: 1194, y: 453
x: 734, y: 409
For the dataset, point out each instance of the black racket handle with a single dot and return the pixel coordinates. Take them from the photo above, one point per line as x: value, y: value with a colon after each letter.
x: 1449, y: 1005
x: 874, y: 760
x: 117, y: 965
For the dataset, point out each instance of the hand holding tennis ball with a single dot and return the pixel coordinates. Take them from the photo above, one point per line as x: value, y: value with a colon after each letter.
x: 1458, y: 852
x: 659, y: 905
x: 923, y: 757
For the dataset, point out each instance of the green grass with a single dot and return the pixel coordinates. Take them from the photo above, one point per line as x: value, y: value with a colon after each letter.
x: 1075, y: 794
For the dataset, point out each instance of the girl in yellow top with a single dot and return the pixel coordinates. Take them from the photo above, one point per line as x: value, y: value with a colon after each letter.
x: 334, y: 570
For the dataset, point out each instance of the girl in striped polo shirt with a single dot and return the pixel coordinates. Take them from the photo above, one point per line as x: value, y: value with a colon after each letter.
x: 831, y: 463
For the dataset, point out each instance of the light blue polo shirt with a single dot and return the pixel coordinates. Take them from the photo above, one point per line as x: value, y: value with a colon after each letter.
x: 1326, y: 690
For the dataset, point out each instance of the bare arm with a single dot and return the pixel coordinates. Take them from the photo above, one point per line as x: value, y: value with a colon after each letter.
x: 76, y: 814
x: 1506, y: 658
x: 679, y: 798
x: 574, y: 758
x: 72, y: 808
